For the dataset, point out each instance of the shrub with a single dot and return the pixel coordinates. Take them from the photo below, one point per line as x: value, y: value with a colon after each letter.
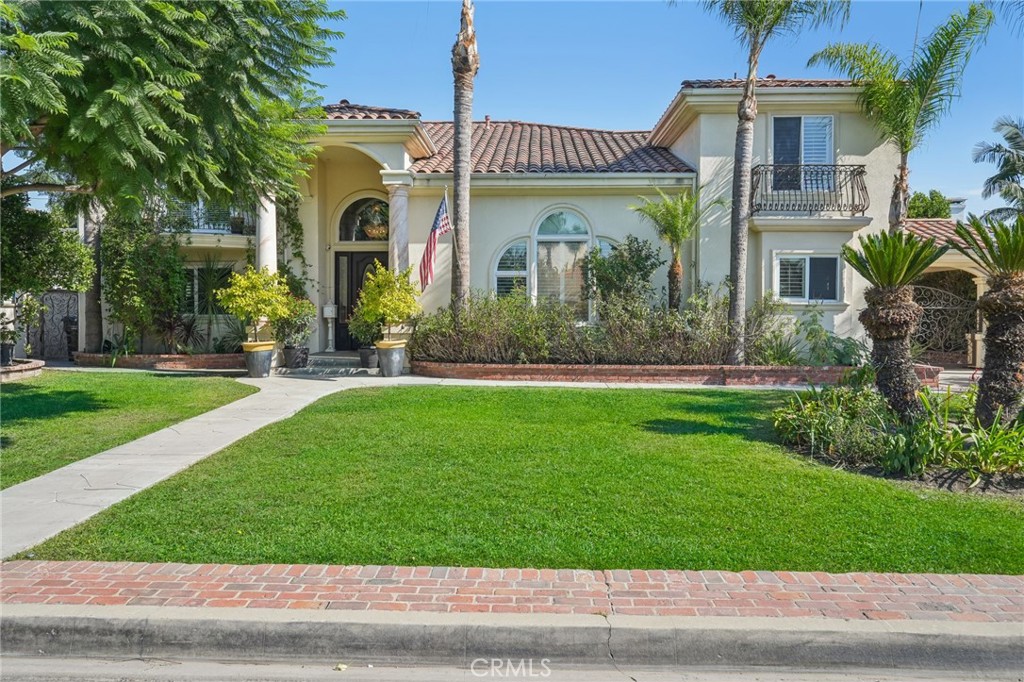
x: 626, y: 271
x: 292, y: 329
x: 255, y: 295
x: 629, y: 331
x: 844, y: 425
x: 388, y: 297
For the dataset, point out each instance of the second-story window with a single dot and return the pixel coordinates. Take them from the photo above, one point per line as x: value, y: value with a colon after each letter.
x: 802, y: 141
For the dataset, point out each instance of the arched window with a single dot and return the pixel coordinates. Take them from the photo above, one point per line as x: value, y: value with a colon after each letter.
x: 364, y: 220
x: 562, y: 241
x: 511, y: 270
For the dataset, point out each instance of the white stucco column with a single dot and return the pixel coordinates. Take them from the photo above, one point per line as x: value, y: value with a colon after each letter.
x: 266, y: 235
x: 976, y: 341
x: 398, y: 184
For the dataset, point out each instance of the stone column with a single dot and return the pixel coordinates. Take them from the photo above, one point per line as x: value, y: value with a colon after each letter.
x: 266, y: 235
x: 976, y: 341
x: 398, y: 184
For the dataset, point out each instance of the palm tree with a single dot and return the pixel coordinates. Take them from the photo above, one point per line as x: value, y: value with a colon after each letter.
x: 906, y: 100
x: 675, y: 219
x: 890, y: 262
x: 465, y: 64
x: 1008, y: 182
x: 755, y: 23
x: 998, y: 249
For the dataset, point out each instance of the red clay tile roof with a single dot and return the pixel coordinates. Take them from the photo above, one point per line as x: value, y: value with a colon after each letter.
x: 943, y: 229
x: 768, y: 83
x: 516, y: 147
x: 346, y: 111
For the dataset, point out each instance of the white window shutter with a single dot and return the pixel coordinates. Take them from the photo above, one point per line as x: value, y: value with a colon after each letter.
x: 817, y: 140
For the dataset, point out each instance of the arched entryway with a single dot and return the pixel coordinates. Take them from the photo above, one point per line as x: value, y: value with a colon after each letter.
x: 950, y: 318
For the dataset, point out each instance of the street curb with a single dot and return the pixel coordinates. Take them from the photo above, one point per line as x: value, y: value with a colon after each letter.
x: 255, y: 635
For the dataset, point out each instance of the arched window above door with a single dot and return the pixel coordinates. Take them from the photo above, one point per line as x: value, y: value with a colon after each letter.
x: 364, y: 220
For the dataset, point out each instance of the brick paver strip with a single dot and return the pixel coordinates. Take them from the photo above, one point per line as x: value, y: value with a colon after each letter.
x: 894, y: 596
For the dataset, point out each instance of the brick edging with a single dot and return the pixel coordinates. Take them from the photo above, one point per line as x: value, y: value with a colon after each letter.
x: 21, y: 369
x: 708, y: 375
x: 860, y: 596
x: 164, y: 361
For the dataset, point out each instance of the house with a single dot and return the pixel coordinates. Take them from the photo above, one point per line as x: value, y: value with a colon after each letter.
x: 542, y: 195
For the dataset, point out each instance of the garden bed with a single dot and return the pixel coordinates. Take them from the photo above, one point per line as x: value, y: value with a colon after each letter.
x: 707, y: 375
x: 163, y: 361
x: 21, y: 369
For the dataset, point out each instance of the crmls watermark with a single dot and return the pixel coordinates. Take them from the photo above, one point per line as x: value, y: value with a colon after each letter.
x: 506, y: 667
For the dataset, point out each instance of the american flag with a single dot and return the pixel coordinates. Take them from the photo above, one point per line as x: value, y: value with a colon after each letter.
x: 442, y: 226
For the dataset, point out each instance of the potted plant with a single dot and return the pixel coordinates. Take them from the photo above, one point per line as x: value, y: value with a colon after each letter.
x: 8, y: 338
x: 389, y: 299
x: 292, y: 331
x: 367, y: 332
x: 257, y: 296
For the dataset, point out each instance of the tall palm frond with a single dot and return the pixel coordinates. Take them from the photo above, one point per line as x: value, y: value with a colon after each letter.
x: 675, y: 218
x: 755, y: 21
x: 906, y: 100
x: 888, y: 260
x: 1008, y: 156
x: 995, y: 247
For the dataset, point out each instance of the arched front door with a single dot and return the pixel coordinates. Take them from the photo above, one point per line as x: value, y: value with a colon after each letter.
x: 350, y: 269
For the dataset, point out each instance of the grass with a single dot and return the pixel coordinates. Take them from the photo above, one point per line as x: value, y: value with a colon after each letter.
x: 62, y: 417
x: 544, y: 478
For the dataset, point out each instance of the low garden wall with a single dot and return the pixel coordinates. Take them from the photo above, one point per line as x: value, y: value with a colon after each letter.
x: 164, y: 361
x: 21, y: 369
x: 708, y: 375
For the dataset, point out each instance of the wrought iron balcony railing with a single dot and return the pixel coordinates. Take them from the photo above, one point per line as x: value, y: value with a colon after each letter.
x: 808, y: 188
x: 203, y: 219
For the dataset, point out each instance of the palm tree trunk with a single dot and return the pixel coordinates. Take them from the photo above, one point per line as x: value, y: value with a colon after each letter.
x: 465, y: 63
x: 675, y: 282
x: 1001, y: 388
x: 891, y: 317
x: 747, y: 113
x: 900, y: 195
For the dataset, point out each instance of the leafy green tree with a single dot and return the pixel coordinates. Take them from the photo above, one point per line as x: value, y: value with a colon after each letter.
x: 905, y: 100
x: 37, y: 253
x: 143, y: 276
x: 890, y: 262
x: 756, y: 23
x: 675, y: 219
x: 998, y: 249
x: 931, y: 205
x: 1008, y: 182
x: 191, y: 99
x: 465, y: 64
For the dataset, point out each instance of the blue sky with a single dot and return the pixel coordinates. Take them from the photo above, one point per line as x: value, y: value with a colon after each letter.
x: 616, y: 65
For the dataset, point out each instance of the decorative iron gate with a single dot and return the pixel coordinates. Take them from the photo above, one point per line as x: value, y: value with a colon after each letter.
x: 947, y: 320
x: 48, y: 338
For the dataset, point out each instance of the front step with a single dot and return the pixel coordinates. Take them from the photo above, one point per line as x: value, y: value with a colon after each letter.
x: 327, y: 371
x: 335, y: 360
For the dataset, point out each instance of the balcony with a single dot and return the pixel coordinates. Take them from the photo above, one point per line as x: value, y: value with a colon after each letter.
x: 808, y: 189
x: 198, y: 218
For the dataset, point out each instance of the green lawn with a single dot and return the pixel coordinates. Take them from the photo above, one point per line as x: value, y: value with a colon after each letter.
x: 61, y: 417
x: 549, y: 478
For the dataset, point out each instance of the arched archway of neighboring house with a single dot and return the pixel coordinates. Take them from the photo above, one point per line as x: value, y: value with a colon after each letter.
x: 949, y: 299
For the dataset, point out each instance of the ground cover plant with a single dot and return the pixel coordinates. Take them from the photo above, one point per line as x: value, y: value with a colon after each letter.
x: 62, y: 417
x: 548, y: 478
x: 851, y: 426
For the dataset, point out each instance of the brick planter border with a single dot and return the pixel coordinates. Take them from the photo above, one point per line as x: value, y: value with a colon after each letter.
x: 21, y: 369
x: 707, y: 375
x: 164, y: 361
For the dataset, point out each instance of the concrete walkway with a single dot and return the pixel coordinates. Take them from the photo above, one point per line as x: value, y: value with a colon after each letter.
x: 42, y: 507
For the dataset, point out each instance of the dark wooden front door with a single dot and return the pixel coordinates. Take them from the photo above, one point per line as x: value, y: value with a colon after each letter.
x: 350, y: 270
